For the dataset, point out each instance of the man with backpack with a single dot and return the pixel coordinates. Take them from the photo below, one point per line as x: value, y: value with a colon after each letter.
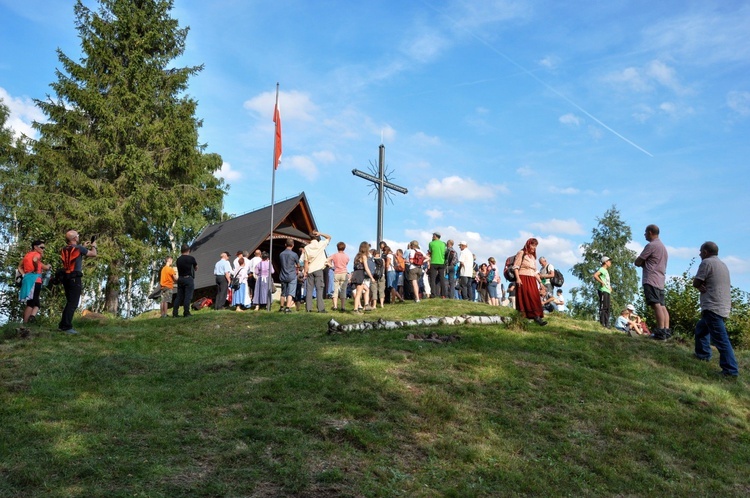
x: 451, y: 261
x: 546, y: 272
x: 72, y: 259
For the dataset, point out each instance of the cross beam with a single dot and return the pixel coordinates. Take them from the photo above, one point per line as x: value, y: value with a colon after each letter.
x: 380, y: 184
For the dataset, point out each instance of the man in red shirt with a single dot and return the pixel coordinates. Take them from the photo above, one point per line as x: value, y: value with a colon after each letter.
x: 31, y: 268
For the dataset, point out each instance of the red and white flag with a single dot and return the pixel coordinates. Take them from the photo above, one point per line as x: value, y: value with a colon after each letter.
x: 277, y: 138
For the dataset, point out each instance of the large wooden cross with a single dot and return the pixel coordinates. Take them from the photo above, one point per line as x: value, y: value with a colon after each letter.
x: 380, y: 184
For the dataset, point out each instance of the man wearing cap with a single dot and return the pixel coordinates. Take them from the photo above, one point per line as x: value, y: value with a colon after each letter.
x: 653, y: 260
x: 604, y: 290
x: 222, y: 276
x: 713, y: 283
x: 465, y: 270
x: 436, y: 250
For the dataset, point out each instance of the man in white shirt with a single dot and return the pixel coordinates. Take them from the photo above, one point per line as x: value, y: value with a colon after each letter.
x: 465, y: 270
x: 315, y: 262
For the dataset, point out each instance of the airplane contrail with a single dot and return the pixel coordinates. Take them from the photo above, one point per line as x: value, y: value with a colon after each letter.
x: 541, y: 82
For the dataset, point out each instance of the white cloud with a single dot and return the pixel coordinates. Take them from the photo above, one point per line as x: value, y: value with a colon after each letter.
x: 570, y: 227
x: 739, y: 102
x: 302, y: 165
x: 324, y: 156
x: 434, y: 214
x: 549, y: 62
x: 719, y: 35
x: 646, y: 79
x: 426, y: 46
x: 595, y: 132
x: 570, y: 119
x: 294, y: 106
x: 227, y: 173
x: 23, y: 112
x: 675, y: 110
x: 459, y: 189
x: 525, y: 171
x: 631, y: 78
x: 736, y: 265
x: 643, y: 113
x: 664, y: 75
x: 564, y: 191
x: 425, y: 140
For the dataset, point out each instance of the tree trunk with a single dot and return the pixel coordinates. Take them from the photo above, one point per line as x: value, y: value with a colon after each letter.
x: 112, y: 290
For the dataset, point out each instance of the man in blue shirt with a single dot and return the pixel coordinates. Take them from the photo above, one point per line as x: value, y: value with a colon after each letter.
x: 223, y: 275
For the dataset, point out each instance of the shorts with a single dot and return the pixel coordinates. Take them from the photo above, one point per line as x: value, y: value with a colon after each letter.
x: 289, y: 288
x: 358, y: 276
x: 653, y: 295
x: 34, y: 302
x: 414, y: 273
x: 165, y: 296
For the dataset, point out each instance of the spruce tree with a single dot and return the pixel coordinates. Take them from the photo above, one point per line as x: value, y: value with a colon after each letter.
x: 119, y: 157
x: 609, y: 238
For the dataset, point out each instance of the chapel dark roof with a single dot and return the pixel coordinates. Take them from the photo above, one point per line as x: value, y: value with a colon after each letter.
x: 248, y: 232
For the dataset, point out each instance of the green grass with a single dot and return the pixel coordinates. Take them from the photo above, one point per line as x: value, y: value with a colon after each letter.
x: 265, y: 404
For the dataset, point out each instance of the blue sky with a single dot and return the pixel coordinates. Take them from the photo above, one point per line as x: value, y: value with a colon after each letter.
x: 504, y: 119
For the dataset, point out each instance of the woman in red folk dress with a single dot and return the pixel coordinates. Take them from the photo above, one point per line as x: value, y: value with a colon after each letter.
x: 528, y: 283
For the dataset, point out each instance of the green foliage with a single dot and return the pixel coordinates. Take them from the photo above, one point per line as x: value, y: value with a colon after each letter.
x: 738, y: 324
x: 119, y: 156
x: 609, y: 238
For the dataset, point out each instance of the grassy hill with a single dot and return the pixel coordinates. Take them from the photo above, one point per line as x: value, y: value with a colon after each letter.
x: 267, y: 404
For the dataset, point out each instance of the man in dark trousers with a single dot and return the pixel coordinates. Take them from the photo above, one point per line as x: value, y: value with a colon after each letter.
x: 186, y: 267
x: 72, y: 257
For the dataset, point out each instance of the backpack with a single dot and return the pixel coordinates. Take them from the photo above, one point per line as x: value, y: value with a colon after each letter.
x: 399, y: 262
x: 558, y: 280
x: 378, y: 273
x: 418, y: 258
x: 69, y: 254
x: 492, y: 276
x: 452, y: 258
x: 201, y: 303
x: 508, y: 272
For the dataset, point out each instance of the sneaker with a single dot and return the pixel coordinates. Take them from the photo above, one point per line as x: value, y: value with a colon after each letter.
x: 69, y: 331
x: 32, y: 318
x: 187, y: 315
x: 322, y: 311
x: 701, y: 358
x: 287, y: 310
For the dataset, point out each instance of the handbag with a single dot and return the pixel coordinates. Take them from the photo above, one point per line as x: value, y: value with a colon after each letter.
x: 156, y: 292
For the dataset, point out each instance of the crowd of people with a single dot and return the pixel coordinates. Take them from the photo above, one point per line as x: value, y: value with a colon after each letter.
x: 381, y: 275
x: 373, y: 277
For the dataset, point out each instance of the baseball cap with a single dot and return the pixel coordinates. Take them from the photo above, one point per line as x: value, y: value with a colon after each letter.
x: 630, y: 307
x: 604, y: 259
x: 463, y: 243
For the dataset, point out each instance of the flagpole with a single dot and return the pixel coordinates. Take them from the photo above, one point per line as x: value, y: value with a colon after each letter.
x: 273, y: 191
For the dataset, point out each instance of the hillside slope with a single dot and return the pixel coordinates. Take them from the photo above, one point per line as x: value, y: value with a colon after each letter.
x: 267, y: 404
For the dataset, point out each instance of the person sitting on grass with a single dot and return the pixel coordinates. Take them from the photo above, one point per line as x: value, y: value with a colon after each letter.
x: 625, y: 323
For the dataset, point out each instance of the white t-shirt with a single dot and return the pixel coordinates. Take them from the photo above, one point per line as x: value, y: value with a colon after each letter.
x: 467, y: 258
